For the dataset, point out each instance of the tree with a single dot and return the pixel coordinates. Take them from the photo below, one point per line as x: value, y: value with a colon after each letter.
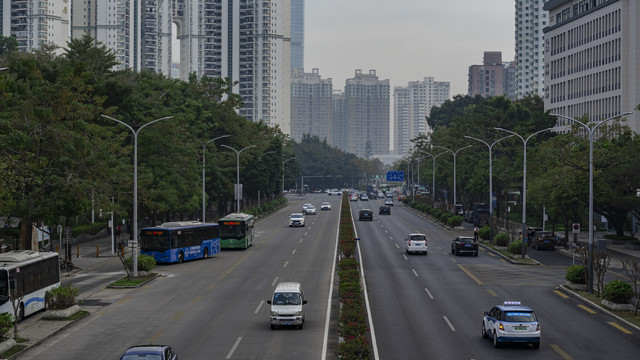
x: 631, y: 266
x: 8, y: 44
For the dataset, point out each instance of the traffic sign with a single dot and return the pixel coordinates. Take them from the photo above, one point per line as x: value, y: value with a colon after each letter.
x: 394, y: 175
x: 576, y: 228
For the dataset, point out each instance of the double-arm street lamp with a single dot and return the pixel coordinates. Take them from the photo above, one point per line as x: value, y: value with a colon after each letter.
x: 490, y: 146
x: 283, y: 162
x: 455, y: 199
x: 204, y: 148
x: 591, y: 131
x: 134, y: 241
x: 524, y: 182
x: 238, y: 191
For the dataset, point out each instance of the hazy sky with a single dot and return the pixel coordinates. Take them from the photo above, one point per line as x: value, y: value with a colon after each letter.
x: 406, y: 40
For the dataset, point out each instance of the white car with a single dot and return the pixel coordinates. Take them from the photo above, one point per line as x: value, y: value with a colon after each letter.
x: 310, y: 210
x: 416, y: 243
x: 511, y: 323
x: 287, y: 305
x: 325, y: 206
x: 296, y: 219
x: 304, y: 207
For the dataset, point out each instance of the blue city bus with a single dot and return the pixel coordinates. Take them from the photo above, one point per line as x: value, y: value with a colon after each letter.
x: 178, y: 241
x: 236, y: 231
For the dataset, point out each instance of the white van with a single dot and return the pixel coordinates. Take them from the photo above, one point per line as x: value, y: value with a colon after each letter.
x: 287, y: 305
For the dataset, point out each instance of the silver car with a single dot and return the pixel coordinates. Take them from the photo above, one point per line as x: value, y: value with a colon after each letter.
x: 416, y: 243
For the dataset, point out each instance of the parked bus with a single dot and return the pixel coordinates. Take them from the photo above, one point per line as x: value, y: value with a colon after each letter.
x: 236, y: 231
x: 25, y: 277
x: 178, y: 241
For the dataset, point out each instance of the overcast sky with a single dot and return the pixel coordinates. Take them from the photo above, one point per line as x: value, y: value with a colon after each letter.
x: 406, y: 40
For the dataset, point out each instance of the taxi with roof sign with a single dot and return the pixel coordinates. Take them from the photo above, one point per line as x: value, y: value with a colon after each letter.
x: 511, y: 322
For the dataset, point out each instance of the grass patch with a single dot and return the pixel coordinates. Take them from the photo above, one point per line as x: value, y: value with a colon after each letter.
x: 73, y: 317
x: 14, y: 350
x: 133, y: 281
x: 628, y: 316
x: 20, y: 340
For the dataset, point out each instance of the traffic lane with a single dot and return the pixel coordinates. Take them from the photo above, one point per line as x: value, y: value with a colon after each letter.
x: 196, y: 302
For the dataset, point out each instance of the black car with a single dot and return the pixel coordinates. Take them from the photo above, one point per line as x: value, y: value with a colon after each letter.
x: 543, y: 240
x: 464, y: 245
x: 384, y: 210
x: 160, y: 352
x: 366, y: 214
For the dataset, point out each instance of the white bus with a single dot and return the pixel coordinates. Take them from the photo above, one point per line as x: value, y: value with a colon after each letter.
x: 25, y: 276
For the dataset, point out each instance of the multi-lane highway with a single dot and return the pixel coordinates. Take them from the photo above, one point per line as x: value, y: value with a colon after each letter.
x: 421, y: 306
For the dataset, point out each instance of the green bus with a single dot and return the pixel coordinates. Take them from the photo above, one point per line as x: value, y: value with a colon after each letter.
x: 236, y: 231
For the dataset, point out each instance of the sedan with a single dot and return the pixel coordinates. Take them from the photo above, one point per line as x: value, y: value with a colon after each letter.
x: 310, y: 210
x: 159, y: 352
x: 464, y: 245
x: 384, y: 210
x: 388, y: 202
x: 296, y: 219
x: 511, y: 323
x: 365, y: 214
x: 416, y: 243
x: 325, y: 206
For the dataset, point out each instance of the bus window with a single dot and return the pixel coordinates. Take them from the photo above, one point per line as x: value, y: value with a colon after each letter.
x: 154, y: 240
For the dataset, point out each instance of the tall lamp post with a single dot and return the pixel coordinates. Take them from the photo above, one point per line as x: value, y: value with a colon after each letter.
x: 204, y: 148
x: 455, y: 199
x: 433, y: 173
x: 524, y: 182
x: 591, y: 131
x: 283, y: 162
x: 134, y: 241
x: 238, y: 192
x: 490, y: 146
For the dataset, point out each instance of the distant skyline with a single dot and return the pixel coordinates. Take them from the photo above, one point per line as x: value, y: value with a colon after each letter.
x: 406, y: 40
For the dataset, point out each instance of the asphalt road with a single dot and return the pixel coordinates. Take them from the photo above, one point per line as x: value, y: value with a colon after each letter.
x: 431, y: 306
x: 216, y: 308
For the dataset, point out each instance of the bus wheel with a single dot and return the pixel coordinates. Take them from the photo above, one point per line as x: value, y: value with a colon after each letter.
x: 206, y: 253
x: 180, y: 257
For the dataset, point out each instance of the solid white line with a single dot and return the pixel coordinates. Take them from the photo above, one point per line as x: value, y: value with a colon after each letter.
x: 234, y: 347
x: 325, y: 339
x: 428, y: 293
x: 259, y: 306
x: 286, y: 263
x: 449, y: 323
x: 374, y: 342
x: 274, y: 281
x: 414, y: 272
x: 293, y: 252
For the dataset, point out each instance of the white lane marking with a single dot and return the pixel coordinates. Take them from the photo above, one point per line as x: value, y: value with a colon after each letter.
x: 274, y: 281
x: 293, y: 252
x: 414, y: 272
x: 286, y: 263
x: 398, y: 246
x: 385, y: 230
x: 428, y: 293
x: 235, y: 346
x: 305, y: 234
x: 391, y: 237
x: 405, y: 257
x: 301, y: 240
x: 259, y: 306
x: 449, y: 323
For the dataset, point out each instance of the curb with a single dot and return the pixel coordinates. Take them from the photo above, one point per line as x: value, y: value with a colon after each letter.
x: 155, y: 275
x: 587, y: 301
x: 508, y: 258
x: 37, y: 343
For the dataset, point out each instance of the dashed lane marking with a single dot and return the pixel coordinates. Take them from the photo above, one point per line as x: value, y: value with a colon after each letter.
x: 617, y: 326
x: 470, y: 274
x: 589, y: 310
x: 561, y: 352
x: 561, y: 294
x: 492, y: 293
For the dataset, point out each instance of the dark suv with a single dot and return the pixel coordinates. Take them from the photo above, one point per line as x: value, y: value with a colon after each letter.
x: 160, y: 352
x: 464, y: 245
x: 384, y: 210
x: 543, y: 240
x: 366, y: 214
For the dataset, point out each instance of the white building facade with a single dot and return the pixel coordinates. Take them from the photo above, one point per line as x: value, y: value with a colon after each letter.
x: 531, y: 18
x: 35, y: 23
x: 412, y: 105
x: 311, y: 105
x: 592, y: 59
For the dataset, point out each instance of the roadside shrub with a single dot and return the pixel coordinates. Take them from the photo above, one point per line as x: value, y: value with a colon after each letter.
x: 436, y: 213
x: 90, y: 229
x: 348, y: 264
x: 617, y: 291
x: 61, y: 298
x: 352, y: 319
x: 354, y: 348
x: 575, y: 274
x: 6, y: 324
x: 516, y: 247
x: 501, y: 239
x: 444, y: 217
x: 455, y: 221
x: 145, y: 262
x: 485, y: 232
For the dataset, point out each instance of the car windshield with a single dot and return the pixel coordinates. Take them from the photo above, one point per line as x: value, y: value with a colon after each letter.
x: 286, y: 299
x: 418, y: 237
x: 466, y: 240
x: 519, y: 316
x: 142, y: 356
x: 296, y: 216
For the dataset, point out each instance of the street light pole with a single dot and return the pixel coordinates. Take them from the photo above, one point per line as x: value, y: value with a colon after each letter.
x: 524, y: 182
x: 134, y: 241
x: 591, y: 131
x: 455, y: 199
x: 204, y: 147
x: 433, y: 173
x: 490, y: 177
x: 237, y: 191
x: 283, y: 162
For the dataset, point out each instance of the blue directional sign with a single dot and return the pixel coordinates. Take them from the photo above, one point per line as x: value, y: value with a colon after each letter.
x: 395, y: 175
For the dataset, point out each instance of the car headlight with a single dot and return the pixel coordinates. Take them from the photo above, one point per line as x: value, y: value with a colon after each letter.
x: 299, y: 313
x: 274, y: 313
